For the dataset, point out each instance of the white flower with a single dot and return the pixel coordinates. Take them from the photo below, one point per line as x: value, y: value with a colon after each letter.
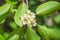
x: 29, y: 18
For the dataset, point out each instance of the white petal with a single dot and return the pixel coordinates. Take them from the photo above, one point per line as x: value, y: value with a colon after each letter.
x: 34, y: 24
x: 22, y: 18
x: 28, y: 11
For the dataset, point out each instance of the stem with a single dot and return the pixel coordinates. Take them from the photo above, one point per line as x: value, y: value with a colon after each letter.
x: 27, y: 3
x: 22, y: 0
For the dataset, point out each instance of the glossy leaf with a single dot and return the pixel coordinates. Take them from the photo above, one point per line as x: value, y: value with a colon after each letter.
x: 12, y: 1
x: 4, y: 12
x: 21, y: 11
x: 49, y: 33
x: 47, y: 8
x: 31, y: 35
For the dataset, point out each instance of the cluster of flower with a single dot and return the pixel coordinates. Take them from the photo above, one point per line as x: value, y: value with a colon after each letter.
x: 29, y: 18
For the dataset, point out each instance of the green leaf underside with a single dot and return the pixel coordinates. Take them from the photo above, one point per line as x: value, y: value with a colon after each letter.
x: 31, y: 35
x: 49, y: 34
x: 22, y: 9
x: 4, y: 12
x: 48, y: 8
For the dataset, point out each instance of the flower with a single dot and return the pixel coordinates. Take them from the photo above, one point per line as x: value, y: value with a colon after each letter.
x: 29, y: 18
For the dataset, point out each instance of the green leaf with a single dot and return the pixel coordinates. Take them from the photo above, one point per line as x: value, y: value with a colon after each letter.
x: 1, y: 30
x: 12, y: 9
x: 57, y: 19
x: 47, y: 8
x: 49, y: 33
x: 6, y: 34
x: 13, y: 25
x: 21, y: 33
x: 4, y: 12
x: 2, y: 21
x: 3, y: 17
x: 13, y: 33
x: 4, y: 8
x: 31, y: 35
x: 22, y: 9
x: 15, y: 37
x: 12, y: 1
x: 1, y: 37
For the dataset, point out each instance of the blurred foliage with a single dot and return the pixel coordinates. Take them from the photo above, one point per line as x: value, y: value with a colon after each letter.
x: 11, y: 26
